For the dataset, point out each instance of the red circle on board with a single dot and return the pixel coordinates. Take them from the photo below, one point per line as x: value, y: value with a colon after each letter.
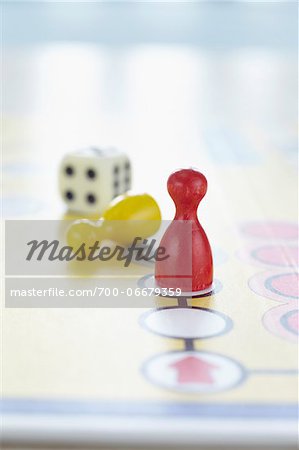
x: 293, y: 321
x: 285, y: 284
x: 277, y: 255
x: 271, y: 230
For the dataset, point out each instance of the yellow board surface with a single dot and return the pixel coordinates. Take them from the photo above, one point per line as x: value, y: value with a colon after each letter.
x: 102, y: 354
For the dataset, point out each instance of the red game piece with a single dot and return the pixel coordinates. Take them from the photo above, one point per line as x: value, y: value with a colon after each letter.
x: 189, y: 265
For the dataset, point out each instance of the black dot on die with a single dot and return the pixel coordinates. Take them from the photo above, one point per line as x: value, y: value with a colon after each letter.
x: 69, y: 171
x: 116, y: 184
x: 127, y: 165
x: 69, y: 195
x: 91, y: 198
x: 91, y: 173
x: 116, y: 170
x: 127, y: 180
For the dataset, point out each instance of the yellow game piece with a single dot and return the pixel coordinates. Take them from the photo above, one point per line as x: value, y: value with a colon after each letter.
x: 128, y: 217
x: 71, y: 215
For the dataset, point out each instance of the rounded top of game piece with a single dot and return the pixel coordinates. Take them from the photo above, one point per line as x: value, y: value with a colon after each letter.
x: 187, y: 186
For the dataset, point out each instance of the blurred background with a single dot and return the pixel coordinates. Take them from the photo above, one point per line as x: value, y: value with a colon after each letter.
x: 167, y: 82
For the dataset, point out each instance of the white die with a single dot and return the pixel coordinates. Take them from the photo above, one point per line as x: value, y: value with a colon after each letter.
x: 91, y: 178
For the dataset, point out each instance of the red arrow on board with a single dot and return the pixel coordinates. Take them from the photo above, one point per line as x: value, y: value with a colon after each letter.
x: 192, y: 369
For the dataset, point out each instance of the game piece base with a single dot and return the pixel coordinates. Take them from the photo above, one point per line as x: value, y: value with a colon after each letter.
x: 149, y: 282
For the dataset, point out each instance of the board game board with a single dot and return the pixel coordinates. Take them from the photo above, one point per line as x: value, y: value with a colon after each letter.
x: 177, y: 372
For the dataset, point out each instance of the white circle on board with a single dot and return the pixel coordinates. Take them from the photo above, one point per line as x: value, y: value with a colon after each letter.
x: 186, y: 323
x: 194, y: 372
